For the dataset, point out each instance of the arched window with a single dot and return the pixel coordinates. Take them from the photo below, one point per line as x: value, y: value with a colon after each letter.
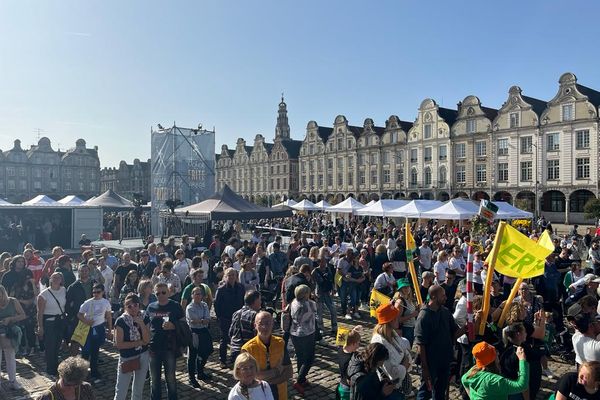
x: 413, y: 176
x: 442, y: 176
x: 427, y: 176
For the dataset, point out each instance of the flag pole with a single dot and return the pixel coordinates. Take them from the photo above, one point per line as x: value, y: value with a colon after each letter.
x: 410, y: 247
x: 490, y: 277
x: 507, y: 303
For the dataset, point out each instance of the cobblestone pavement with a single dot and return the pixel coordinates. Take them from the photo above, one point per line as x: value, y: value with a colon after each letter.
x: 323, y: 376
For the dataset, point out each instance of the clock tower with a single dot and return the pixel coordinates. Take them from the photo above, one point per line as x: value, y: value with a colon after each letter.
x: 282, y: 129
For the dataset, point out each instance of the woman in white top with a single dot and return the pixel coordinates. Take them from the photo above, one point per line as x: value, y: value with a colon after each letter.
x: 248, y: 387
x: 385, y: 282
x: 96, y: 313
x: 182, y: 265
x: 440, y: 267
x: 51, y: 320
x: 477, y: 270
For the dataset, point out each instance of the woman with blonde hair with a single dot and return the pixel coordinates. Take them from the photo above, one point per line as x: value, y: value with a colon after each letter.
x: 248, y: 387
x: 303, y: 312
x: 441, y: 267
x: 584, y: 384
x: 381, y: 258
x: 386, y: 332
x: 145, y: 292
x: 409, y: 310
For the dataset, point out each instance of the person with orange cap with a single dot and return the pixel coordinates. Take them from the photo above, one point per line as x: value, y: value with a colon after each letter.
x: 484, y: 381
x: 395, y: 368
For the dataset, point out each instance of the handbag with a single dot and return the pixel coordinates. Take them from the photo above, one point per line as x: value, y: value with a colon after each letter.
x: 81, y: 333
x: 286, y: 319
x: 133, y: 364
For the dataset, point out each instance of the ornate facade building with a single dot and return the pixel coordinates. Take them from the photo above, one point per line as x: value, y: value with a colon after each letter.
x: 264, y: 173
x: 129, y: 180
x: 41, y: 170
x: 540, y: 155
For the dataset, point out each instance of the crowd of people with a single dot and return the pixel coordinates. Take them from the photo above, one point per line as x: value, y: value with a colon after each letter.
x: 274, y: 301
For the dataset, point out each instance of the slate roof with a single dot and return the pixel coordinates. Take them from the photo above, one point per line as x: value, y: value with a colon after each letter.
x: 491, y: 113
x: 324, y: 133
x: 592, y: 95
x: 406, y: 126
x: 268, y: 147
x: 448, y: 115
x: 292, y: 147
x: 537, y: 105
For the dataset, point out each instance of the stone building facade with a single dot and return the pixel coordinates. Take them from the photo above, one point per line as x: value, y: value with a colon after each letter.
x: 128, y: 180
x: 25, y: 173
x: 541, y: 155
x: 265, y: 173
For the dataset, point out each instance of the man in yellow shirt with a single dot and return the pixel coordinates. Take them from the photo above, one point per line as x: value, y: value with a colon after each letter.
x: 271, y: 354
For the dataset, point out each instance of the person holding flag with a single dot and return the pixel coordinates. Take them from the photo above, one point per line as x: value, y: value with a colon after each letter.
x: 411, y: 246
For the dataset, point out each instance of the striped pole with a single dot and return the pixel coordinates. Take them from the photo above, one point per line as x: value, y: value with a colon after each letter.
x: 470, y: 328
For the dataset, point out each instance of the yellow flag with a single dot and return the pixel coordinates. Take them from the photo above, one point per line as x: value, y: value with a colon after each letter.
x: 546, y: 241
x: 342, y: 336
x: 518, y: 256
x: 377, y: 299
x: 410, y: 240
x: 338, y: 279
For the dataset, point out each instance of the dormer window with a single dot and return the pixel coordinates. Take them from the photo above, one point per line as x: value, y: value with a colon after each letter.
x: 568, y: 113
x: 471, y: 126
x: 514, y: 120
x: 427, y: 131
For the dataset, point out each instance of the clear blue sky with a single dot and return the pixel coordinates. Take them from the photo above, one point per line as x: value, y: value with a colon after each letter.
x: 106, y: 71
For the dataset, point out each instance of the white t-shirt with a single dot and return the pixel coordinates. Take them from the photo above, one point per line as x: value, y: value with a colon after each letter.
x: 181, y: 268
x: 586, y: 348
x: 477, y: 266
x: 458, y: 265
x: 52, y: 307
x: 259, y: 392
x: 108, y: 276
x: 96, y: 310
x: 425, y: 254
x: 439, y: 269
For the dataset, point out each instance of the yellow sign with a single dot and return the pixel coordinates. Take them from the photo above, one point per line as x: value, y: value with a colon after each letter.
x: 342, y: 336
x: 377, y: 299
x: 546, y: 241
x: 410, y: 240
x: 338, y: 279
x: 518, y: 256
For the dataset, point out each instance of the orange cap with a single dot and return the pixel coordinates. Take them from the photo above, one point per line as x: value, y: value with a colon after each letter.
x: 386, y: 313
x: 484, y: 354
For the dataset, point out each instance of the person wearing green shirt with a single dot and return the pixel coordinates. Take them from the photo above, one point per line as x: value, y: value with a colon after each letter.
x: 186, y: 295
x: 484, y: 382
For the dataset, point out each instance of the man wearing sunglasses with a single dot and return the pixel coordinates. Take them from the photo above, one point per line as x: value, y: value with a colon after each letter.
x: 164, y: 314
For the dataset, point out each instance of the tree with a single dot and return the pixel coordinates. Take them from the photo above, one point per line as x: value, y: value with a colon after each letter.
x: 592, y: 208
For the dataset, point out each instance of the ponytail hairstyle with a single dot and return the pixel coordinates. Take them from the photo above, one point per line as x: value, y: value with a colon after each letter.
x: 510, y: 332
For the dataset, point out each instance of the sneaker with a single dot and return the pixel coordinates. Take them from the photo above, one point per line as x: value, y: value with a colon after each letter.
x: 14, y: 385
x: 194, y: 383
x: 348, y: 317
x: 203, y: 376
x: 299, y: 388
x: 356, y: 315
x: 548, y: 373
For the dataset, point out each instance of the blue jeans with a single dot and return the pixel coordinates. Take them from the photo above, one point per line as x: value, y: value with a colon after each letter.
x: 91, y: 349
x: 139, y: 378
x: 157, y: 360
x: 325, y: 299
x: 347, y: 289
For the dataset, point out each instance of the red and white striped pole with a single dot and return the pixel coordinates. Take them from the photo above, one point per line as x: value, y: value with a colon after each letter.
x: 470, y: 287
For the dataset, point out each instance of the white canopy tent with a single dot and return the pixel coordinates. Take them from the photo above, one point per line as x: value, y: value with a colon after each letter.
x: 348, y: 206
x: 508, y: 211
x: 323, y: 205
x: 71, y: 200
x: 41, y: 200
x: 288, y: 203
x: 369, y: 204
x: 382, y: 208
x: 305, y: 205
x: 453, y: 209
x: 415, y: 208
x: 4, y: 202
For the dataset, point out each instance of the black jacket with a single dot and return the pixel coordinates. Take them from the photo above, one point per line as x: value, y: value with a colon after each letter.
x: 292, y: 283
x: 228, y: 299
x: 363, y: 384
x: 75, y: 298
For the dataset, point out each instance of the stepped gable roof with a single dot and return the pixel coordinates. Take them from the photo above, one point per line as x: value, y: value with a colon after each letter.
x: 490, y: 113
x: 324, y: 133
x: 448, y: 115
x: 292, y: 147
x: 537, y: 105
x: 592, y: 95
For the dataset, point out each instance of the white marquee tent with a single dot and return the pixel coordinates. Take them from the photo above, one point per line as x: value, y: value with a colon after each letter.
x: 288, y: 203
x: 305, y: 205
x: 453, y: 209
x: 41, y: 200
x: 382, y: 208
x: 4, y: 202
x: 370, y: 203
x: 348, y: 206
x: 415, y: 208
x: 71, y: 200
x: 508, y: 211
x: 323, y: 205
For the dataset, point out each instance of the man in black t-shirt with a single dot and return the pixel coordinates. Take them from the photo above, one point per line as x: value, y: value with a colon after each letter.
x: 121, y: 273
x: 164, y: 314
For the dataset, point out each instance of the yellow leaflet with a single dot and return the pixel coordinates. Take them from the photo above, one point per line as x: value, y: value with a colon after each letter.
x: 342, y: 336
x: 518, y: 256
